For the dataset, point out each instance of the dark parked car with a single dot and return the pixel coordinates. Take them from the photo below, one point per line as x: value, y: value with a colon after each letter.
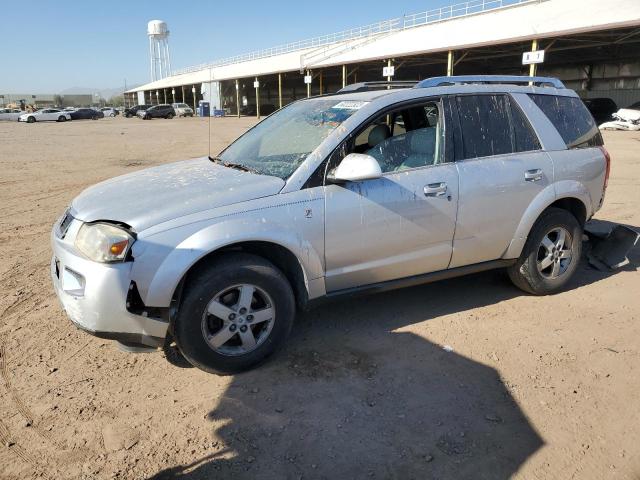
x: 601, y: 108
x: 86, y: 114
x: 265, y: 109
x: 157, y: 111
x: 133, y: 111
x: 634, y: 106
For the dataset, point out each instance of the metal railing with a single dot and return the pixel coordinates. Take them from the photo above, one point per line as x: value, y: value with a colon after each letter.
x: 472, y: 7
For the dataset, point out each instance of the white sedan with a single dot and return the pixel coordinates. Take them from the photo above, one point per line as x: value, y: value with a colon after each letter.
x: 11, y: 114
x: 44, y: 115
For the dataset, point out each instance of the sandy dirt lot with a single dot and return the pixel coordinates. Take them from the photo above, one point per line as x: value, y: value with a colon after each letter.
x: 535, y: 388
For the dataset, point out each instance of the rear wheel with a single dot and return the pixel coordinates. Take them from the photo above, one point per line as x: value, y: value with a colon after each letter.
x: 551, y: 255
x: 31, y: 119
x: 169, y: 116
x: 234, y: 314
x: 62, y: 118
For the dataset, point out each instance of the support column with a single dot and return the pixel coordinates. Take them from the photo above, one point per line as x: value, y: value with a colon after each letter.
x: 280, y: 90
x: 320, y: 82
x: 164, y: 93
x: 238, y: 97
x: 532, y: 67
x: 389, y: 63
x: 257, y: 98
x: 173, y: 94
x: 193, y: 91
x: 183, y: 93
x: 344, y: 76
x: 308, y: 85
x: 450, y: 63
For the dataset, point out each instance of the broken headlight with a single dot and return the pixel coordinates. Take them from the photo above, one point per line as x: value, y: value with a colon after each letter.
x: 105, y: 243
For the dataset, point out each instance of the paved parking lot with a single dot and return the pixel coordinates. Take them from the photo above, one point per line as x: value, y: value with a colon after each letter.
x: 532, y: 387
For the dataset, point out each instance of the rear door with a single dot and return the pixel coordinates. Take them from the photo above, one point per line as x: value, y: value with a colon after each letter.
x: 501, y: 167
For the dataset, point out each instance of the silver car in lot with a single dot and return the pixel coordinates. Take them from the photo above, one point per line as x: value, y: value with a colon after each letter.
x: 364, y: 190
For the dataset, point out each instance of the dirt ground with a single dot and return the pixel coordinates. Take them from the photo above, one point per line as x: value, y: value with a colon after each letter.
x: 532, y: 388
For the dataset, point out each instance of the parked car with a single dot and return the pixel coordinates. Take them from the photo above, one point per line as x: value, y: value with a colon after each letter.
x: 602, y: 109
x: 634, y: 106
x: 265, y: 109
x: 109, y: 111
x: 12, y: 114
x: 86, y: 114
x: 360, y: 191
x: 45, y: 115
x: 182, y: 109
x: 157, y: 111
x: 133, y: 111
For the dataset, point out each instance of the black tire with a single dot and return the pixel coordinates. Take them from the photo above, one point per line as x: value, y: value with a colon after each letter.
x: 31, y: 119
x: 169, y: 116
x: 525, y: 273
x: 205, y: 284
x: 62, y: 118
x: 95, y: 117
x: 128, y: 115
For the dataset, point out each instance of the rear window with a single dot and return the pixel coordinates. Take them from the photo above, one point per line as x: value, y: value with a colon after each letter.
x: 571, y: 118
x: 493, y: 125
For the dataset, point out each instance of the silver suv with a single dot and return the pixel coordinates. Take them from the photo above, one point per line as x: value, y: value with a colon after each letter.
x: 368, y: 189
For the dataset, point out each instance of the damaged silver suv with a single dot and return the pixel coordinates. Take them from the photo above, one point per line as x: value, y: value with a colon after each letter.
x: 372, y: 188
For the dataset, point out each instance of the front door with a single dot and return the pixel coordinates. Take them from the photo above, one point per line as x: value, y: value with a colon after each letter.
x: 401, y: 224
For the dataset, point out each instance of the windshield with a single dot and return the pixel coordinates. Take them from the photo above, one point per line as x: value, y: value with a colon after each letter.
x: 278, y: 145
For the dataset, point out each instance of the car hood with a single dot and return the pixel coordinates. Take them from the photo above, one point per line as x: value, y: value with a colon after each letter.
x: 155, y: 195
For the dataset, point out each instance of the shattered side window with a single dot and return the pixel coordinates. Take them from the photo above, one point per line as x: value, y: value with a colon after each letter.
x: 572, y: 119
x: 486, y: 130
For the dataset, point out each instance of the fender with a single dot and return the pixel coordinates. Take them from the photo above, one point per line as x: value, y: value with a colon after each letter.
x: 160, y: 288
x: 552, y: 193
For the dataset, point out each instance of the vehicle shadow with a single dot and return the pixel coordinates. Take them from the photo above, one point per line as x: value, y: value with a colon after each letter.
x: 353, y: 397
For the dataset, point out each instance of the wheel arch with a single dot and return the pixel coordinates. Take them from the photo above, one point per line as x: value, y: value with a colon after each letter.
x: 575, y: 199
x: 281, y: 257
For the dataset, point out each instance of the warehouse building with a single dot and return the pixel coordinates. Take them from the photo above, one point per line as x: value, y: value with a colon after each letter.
x: 592, y: 45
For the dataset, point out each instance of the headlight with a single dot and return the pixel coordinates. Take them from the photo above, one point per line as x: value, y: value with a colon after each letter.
x: 104, y: 243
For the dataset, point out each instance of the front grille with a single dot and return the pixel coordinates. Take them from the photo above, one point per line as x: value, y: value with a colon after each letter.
x: 64, y: 224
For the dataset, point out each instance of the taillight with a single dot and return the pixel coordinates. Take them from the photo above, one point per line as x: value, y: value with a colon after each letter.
x: 607, y: 157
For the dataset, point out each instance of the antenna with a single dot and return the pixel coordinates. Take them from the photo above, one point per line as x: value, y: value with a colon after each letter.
x: 158, y: 33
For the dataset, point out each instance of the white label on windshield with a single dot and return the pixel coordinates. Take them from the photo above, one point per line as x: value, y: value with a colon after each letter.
x: 350, y: 105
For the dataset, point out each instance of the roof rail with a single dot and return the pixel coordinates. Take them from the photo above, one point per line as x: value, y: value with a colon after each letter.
x: 515, y: 79
x: 378, y: 85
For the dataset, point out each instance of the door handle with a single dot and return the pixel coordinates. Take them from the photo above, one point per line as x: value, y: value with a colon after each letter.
x: 435, y: 189
x: 533, y: 175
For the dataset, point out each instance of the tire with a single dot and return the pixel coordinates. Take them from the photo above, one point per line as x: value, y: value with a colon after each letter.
x: 31, y: 119
x: 223, y: 283
x: 532, y: 272
x: 95, y: 117
x: 62, y: 118
x: 112, y: 115
x: 169, y: 116
x: 127, y: 115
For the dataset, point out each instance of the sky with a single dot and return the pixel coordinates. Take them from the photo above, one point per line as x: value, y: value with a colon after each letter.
x: 48, y: 46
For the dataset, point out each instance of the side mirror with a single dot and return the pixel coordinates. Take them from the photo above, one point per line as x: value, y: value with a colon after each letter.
x: 356, y: 167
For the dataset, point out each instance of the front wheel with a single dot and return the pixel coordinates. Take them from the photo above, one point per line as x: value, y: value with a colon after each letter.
x: 551, y: 254
x: 62, y: 118
x: 31, y: 119
x: 169, y: 116
x: 234, y: 314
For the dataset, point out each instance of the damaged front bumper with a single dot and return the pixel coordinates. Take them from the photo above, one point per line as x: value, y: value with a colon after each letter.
x: 94, y: 295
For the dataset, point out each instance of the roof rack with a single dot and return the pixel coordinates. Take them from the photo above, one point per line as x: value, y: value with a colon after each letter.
x: 514, y: 79
x: 379, y: 85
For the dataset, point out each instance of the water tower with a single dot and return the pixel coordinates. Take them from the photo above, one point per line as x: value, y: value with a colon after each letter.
x: 158, y: 33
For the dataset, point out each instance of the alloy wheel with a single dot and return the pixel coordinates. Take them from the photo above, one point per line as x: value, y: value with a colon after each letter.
x: 555, y: 253
x: 238, y: 319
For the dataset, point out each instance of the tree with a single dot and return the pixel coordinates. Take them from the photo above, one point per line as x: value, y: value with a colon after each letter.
x: 117, y: 100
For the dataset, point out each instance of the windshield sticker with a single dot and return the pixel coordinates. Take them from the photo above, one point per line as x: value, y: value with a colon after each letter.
x: 350, y: 105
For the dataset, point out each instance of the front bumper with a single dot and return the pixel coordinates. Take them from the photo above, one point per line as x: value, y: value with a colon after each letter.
x: 94, y: 295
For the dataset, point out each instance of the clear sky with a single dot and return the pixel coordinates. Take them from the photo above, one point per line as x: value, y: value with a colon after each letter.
x: 51, y: 45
